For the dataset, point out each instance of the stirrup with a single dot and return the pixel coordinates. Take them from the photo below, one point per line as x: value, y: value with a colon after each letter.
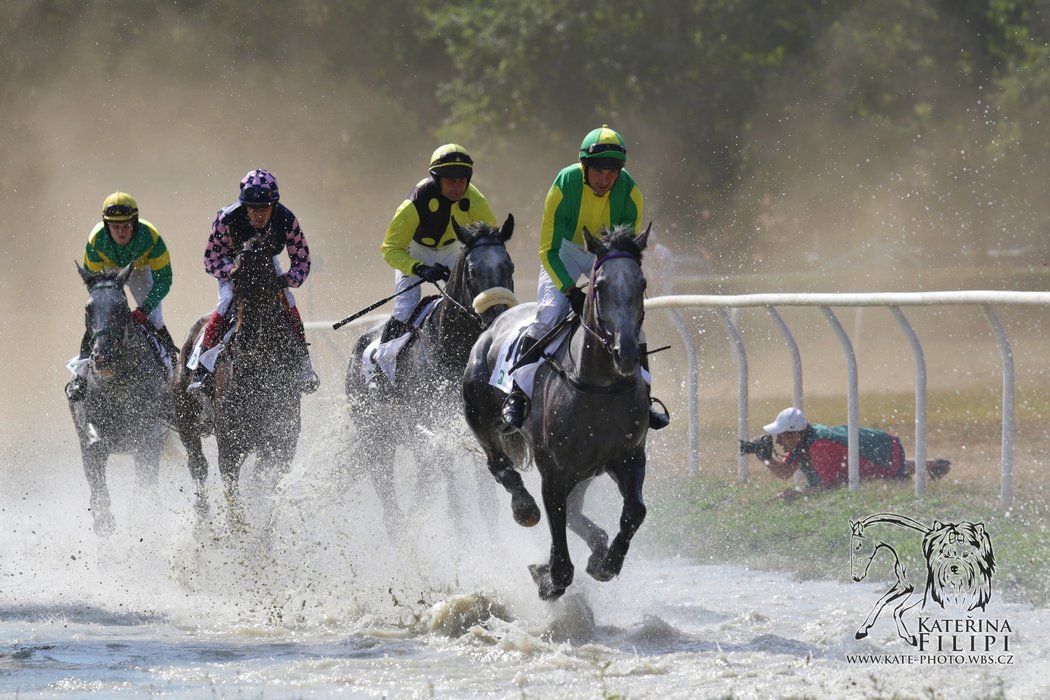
x: 658, y: 419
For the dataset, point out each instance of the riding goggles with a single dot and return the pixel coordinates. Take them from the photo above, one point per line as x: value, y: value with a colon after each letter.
x: 118, y: 212
x: 596, y: 149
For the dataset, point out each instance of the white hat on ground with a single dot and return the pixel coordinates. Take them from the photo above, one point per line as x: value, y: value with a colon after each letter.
x: 789, y: 420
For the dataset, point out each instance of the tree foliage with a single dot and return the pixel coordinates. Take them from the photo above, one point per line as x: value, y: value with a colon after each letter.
x: 828, y: 111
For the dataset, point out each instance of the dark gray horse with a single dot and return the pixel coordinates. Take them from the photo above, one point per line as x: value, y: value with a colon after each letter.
x: 589, y: 414
x: 256, y: 403
x: 424, y: 396
x: 127, y: 397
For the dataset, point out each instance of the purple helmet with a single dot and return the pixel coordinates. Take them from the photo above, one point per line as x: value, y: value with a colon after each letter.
x: 259, y: 189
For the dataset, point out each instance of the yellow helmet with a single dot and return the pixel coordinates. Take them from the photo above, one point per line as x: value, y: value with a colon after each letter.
x: 451, y: 160
x: 119, y: 206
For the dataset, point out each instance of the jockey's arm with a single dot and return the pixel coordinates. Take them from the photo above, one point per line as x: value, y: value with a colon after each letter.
x: 298, y: 255
x: 399, y: 236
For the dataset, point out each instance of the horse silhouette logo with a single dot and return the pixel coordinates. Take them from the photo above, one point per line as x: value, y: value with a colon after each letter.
x: 959, y: 566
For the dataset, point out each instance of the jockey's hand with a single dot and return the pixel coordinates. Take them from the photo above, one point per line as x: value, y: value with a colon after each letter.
x: 431, y: 273
x: 139, y: 316
x: 576, y: 299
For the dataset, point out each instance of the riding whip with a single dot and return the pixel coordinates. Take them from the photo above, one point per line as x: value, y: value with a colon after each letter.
x: 362, y: 312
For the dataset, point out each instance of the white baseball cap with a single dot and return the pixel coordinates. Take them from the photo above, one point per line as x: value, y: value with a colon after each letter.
x: 788, y: 421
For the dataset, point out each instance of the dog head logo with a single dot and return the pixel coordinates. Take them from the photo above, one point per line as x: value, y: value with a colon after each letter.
x: 959, y: 565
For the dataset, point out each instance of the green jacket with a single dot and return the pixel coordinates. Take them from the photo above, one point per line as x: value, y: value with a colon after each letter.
x: 571, y: 205
x: 146, y: 249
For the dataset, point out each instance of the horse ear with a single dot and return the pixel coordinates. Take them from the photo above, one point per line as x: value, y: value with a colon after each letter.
x: 590, y: 242
x: 643, y: 238
x: 507, y: 229
x: 460, y: 233
x: 88, y: 277
x: 123, y: 275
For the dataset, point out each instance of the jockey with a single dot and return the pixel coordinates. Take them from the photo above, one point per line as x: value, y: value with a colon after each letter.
x: 119, y: 239
x: 256, y: 211
x: 598, y: 191
x: 418, y: 242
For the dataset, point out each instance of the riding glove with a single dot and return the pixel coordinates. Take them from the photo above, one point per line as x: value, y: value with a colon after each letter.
x: 139, y: 316
x: 431, y: 273
x: 576, y: 299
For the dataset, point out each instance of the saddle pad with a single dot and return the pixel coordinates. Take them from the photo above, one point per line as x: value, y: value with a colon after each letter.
x: 501, y: 376
x: 385, y: 354
x: 78, y: 365
x: 206, y: 358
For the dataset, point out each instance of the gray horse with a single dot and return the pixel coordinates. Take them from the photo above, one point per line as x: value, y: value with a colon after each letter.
x: 423, y: 398
x: 127, y: 398
x: 589, y: 414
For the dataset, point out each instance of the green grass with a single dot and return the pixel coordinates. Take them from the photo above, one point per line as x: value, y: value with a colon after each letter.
x: 724, y: 521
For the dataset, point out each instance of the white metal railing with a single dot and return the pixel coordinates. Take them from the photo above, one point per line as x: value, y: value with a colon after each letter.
x: 891, y: 300
x: 724, y: 304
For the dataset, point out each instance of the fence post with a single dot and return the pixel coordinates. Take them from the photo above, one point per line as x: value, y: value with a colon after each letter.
x: 1006, y: 486
x: 853, y: 410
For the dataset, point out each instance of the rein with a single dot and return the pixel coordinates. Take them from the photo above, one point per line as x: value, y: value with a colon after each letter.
x: 620, y: 387
x: 471, y: 313
x: 598, y: 334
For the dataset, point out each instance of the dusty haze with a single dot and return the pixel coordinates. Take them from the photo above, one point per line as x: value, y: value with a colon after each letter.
x: 179, y: 134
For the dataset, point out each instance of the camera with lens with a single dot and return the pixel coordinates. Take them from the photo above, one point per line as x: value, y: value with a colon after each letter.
x: 760, y: 447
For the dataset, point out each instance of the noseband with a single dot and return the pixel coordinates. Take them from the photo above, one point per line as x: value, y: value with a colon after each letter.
x: 598, y: 332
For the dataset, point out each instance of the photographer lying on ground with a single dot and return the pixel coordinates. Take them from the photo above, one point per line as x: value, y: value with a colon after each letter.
x: 821, y: 452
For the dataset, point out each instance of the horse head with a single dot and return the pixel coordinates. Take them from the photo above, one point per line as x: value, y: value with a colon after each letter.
x: 615, y: 306
x: 483, y: 275
x: 253, y: 273
x: 107, y: 318
x: 862, y: 550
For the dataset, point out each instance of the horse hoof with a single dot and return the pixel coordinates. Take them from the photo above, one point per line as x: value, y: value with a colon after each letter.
x: 597, y: 571
x: 539, y: 571
x: 104, y: 524
x: 526, y: 512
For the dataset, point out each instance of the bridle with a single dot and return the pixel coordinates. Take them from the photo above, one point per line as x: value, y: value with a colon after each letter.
x: 599, y: 332
x: 480, y: 242
x: 122, y: 333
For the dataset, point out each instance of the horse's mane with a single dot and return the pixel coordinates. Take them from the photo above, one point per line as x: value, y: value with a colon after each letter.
x: 106, y: 274
x: 621, y: 237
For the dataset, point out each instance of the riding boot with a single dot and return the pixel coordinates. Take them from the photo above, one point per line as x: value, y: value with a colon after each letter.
x: 658, y: 418
x: 516, y: 405
x: 164, y: 336
x: 394, y: 328
x: 308, y: 380
x: 76, y: 388
x: 515, y: 408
